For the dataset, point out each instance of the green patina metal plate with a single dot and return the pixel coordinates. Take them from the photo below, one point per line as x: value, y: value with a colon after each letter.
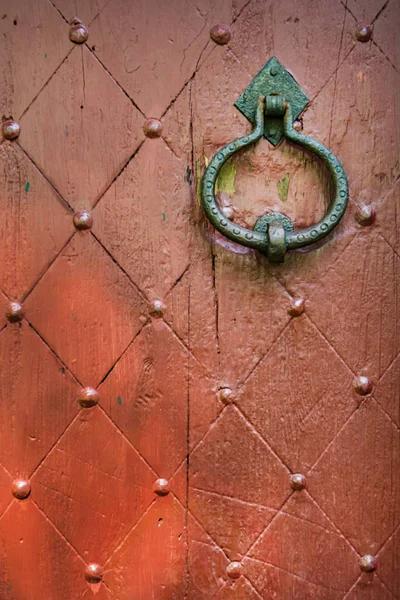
x: 272, y: 79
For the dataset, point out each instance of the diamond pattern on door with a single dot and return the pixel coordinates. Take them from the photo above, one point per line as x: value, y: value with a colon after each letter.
x: 367, y: 120
x: 349, y: 304
x: 329, y: 566
x: 86, y: 309
x: 388, y: 217
x: 3, y: 309
x: 373, y: 442
x: 29, y: 545
x: 299, y: 396
x: 5, y: 487
x: 221, y: 464
x: 206, y: 564
x: 38, y: 399
x: 248, y: 300
x: 152, y: 47
x: 232, y: 523
x: 143, y: 219
x: 387, y: 392
x: 86, y: 10
x: 93, y: 131
x: 146, y: 396
x: 28, y: 204
x: 37, y: 26
x: 157, y: 541
x: 93, y: 485
x: 369, y: 588
x: 389, y: 570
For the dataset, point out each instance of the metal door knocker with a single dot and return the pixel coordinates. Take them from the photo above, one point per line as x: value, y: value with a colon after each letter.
x: 272, y: 102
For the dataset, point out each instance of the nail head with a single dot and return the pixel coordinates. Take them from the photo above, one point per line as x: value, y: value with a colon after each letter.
x: 20, y: 488
x: 365, y: 215
x: 15, y: 312
x: 298, y: 482
x: 10, y: 129
x: 83, y: 219
x: 161, y: 487
x: 157, y: 308
x: 226, y: 395
x: 220, y: 34
x: 363, y: 32
x: 296, y: 307
x: 234, y: 569
x: 152, y: 128
x: 88, y: 397
x: 368, y: 563
x: 78, y: 32
x: 94, y: 573
x: 363, y: 385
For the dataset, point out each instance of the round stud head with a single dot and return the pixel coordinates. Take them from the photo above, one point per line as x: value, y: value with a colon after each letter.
x: 365, y: 215
x: 157, y: 308
x: 88, y: 397
x: 15, y: 312
x: 368, y: 563
x: 20, y: 488
x: 234, y: 569
x: 363, y: 32
x: 93, y: 573
x: 10, y: 129
x: 161, y: 487
x: 220, y: 34
x: 152, y: 128
x: 226, y: 395
x: 78, y: 32
x: 83, y: 219
x: 296, y: 307
x: 298, y: 482
x: 363, y: 385
x: 298, y: 125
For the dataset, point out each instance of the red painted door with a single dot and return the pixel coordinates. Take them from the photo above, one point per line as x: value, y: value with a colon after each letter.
x: 180, y: 419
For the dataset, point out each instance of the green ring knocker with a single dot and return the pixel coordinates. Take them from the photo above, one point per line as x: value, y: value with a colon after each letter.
x: 274, y: 233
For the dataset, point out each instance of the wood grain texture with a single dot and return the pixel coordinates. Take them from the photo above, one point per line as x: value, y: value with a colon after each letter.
x: 225, y: 319
x: 65, y: 308
x: 34, y: 43
x: 95, y: 129
x: 29, y: 204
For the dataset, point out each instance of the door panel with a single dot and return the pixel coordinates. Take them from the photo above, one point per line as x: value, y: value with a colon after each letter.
x: 180, y: 419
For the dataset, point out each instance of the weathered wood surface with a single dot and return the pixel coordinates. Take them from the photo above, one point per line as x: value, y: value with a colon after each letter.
x: 205, y: 377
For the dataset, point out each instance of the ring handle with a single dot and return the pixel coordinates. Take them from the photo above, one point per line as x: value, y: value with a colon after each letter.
x: 274, y: 233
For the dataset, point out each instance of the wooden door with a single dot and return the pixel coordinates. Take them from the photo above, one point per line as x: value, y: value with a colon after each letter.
x: 180, y: 419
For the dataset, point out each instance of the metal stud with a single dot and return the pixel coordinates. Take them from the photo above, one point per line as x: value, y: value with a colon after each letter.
x: 161, y: 487
x: 83, y: 219
x: 363, y: 32
x: 298, y: 482
x: 94, y: 573
x: 365, y: 215
x: 220, y: 34
x: 296, y: 307
x: 234, y: 569
x: 10, y: 129
x: 368, y: 563
x: 363, y: 385
x: 298, y: 125
x: 157, y: 309
x: 152, y: 128
x: 20, y: 488
x: 88, y: 397
x: 78, y: 32
x: 15, y: 312
x: 226, y: 395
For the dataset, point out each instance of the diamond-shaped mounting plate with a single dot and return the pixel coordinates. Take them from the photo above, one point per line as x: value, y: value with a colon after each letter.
x: 272, y: 79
